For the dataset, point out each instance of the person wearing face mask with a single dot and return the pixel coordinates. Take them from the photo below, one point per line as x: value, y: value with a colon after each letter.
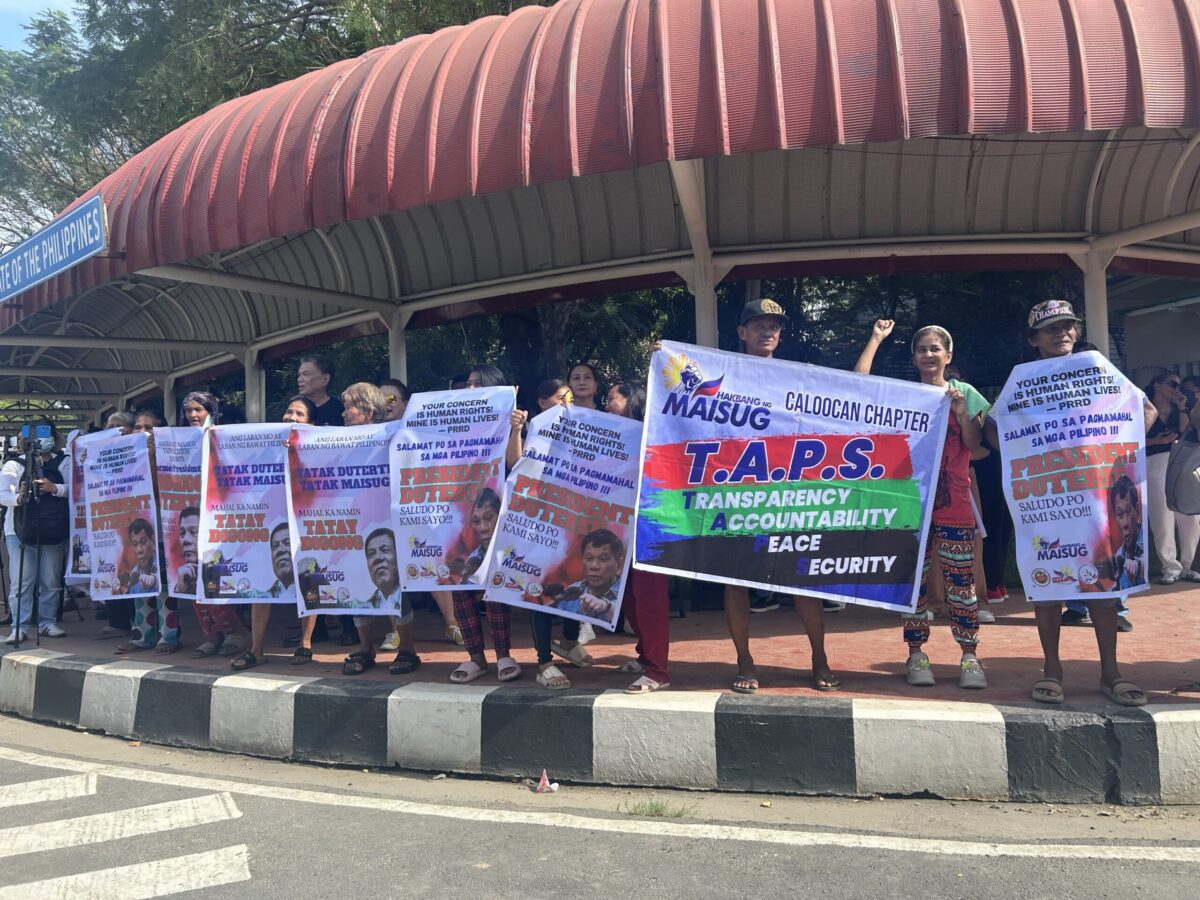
x: 41, y: 520
x: 1172, y: 424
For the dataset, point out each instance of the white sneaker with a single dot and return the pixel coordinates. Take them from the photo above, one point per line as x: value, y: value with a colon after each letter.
x: 1168, y: 579
x: 12, y: 637
x: 391, y: 642
x: 51, y: 630
x: 587, y: 634
x: 986, y: 617
x: 1189, y: 575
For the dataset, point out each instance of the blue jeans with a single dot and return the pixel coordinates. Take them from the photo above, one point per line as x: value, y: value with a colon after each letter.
x: 49, y: 578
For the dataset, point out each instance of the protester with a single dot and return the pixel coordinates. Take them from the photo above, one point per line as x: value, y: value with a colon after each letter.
x: 364, y: 404
x: 759, y: 330
x: 952, y: 524
x: 584, y: 383
x: 550, y: 393
x: 119, y: 613
x: 647, y: 602
x: 41, y: 523
x: 313, y: 380
x: 260, y: 613
x: 396, y: 394
x: 220, y: 623
x: 466, y: 603
x: 1172, y: 423
x: 1053, y: 331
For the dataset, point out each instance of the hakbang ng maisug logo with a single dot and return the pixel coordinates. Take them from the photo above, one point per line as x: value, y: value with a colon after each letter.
x: 692, y: 396
x: 510, y: 560
x: 1056, y: 549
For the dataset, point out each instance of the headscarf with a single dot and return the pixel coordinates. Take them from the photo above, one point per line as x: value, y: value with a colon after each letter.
x: 211, y: 405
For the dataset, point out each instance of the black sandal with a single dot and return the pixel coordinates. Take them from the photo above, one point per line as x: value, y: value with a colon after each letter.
x: 405, y: 662
x: 357, y: 663
x: 301, y: 656
x: 246, y: 661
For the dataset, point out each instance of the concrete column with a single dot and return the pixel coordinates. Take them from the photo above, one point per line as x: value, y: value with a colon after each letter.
x: 398, y: 344
x: 704, y: 294
x: 170, y: 405
x: 1096, y: 299
x: 256, y: 387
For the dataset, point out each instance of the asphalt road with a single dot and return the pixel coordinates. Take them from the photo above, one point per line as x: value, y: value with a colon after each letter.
x: 84, y: 816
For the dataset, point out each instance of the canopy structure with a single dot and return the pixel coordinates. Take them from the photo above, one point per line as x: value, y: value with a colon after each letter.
x: 561, y: 151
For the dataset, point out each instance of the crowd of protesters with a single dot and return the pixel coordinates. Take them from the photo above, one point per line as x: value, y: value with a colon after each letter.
x: 962, y: 574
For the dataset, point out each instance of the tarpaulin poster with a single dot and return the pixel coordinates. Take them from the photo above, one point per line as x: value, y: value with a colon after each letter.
x: 563, y: 538
x: 79, y: 559
x: 345, y: 552
x: 122, y: 517
x: 177, y: 453
x: 245, y: 530
x: 448, y: 469
x: 1073, y: 451
x: 788, y: 477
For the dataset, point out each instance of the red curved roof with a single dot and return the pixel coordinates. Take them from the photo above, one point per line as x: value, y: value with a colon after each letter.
x: 590, y: 86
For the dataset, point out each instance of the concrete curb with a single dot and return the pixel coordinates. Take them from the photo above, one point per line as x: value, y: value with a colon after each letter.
x: 699, y: 740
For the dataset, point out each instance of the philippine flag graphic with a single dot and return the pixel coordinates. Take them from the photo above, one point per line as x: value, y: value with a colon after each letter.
x: 708, y: 388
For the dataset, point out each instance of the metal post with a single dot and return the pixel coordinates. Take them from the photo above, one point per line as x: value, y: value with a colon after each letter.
x: 398, y: 344
x: 256, y: 387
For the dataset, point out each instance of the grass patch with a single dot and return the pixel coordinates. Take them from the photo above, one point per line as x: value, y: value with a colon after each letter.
x: 655, y: 809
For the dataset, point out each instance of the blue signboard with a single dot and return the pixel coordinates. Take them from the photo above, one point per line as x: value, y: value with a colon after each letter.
x: 79, y: 235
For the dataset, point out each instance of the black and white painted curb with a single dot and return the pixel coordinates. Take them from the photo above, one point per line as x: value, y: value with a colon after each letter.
x: 684, y: 739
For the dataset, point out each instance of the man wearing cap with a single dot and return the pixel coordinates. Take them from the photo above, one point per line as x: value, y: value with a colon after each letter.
x: 1053, y: 331
x: 761, y: 325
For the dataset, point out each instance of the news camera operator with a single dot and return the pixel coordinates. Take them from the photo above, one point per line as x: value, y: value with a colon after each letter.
x: 34, y: 489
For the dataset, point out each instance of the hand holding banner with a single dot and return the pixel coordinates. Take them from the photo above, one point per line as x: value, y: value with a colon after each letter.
x: 788, y: 477
x: 1073, y: 450
x: 562, y: 542
x: 448, y: 457
x: 122, y: 518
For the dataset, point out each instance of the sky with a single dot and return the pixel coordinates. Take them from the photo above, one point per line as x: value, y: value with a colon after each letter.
x: 15, y: 13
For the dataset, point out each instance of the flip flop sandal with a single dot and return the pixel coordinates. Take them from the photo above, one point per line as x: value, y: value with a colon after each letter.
x: 165, y: 648
x: 1048, y: 690
x: 357, y: 663
x: 301, y: 656
x: 454, y: 633
x: 917, y: 671
x: 246, y: 661
x: 405, y: 662
x: 826, y: 682
x: 468, y: 672
x: 232, y: 646
x: 632, y: 667
x: 576, y: 656
x: 130, y: 647
x: 507, y: 669
x: 208, y: 648
x: 971, y: 675
x: 1122, y: 692
x: 745, y: 684
x: 646, y: 685
x: 552, y: 678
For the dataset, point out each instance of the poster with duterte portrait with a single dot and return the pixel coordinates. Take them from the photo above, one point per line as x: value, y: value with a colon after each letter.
x: 1073, y: 450
x: 122, y: 518
x: 447, y: 466
x: 788, y: 477
x: 563, y: 538
x: 246, y: 533
x: 177, y: 454
x: 79, y: 557
x: 344, y: 554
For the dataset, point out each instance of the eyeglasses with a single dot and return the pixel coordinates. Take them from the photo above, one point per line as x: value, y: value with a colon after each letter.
x: 390, y: 398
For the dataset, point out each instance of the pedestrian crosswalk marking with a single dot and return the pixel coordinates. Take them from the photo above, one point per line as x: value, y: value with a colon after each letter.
x: 142, y: 881
x: 112, y: 826
x: 49, y: 789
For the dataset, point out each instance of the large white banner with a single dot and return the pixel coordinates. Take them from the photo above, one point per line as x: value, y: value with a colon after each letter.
x: 345, y: 554
x: 565, y: 530
x: 177, y: 456
x: 122, y: 518
x: 1073, y: 448
x: 447, y: 466
x: 79, y: 557
x: 246, y: 534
